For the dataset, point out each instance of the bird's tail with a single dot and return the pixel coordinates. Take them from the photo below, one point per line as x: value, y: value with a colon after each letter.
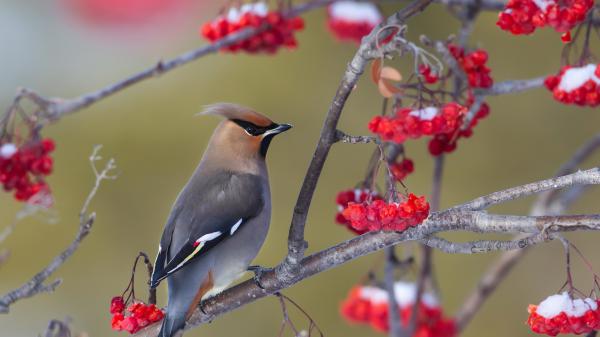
x: 171, y: 325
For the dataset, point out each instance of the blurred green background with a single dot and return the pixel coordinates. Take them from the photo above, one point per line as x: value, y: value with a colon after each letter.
x: 151, y: 132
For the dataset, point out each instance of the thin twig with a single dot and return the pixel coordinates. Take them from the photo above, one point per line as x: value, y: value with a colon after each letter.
x: 36, y: 284
x: 394, y: 310
x: 485, y: 246
x: 427, y: 262
x: 57, y: 328
x: 544, y: 204
x: 591, y: 176
x: 55, y: 108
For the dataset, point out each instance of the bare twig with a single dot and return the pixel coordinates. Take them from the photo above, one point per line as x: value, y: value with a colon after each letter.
x: 340, y: 136
x: 394, y: 310
x: 288, y: 322
x: 55, y: 108
x: 545, y: 204
x: 426, y: 263
x: 4, y: 255
x: 486, y: 286
x: 57, y: 328
x: 546, y: 198
x: 37, y: 283
x: 485, y: 246
x: 591, y: 176
x: 511, y: 87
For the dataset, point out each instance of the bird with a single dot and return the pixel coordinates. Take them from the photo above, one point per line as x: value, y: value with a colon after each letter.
x: 220, y: 219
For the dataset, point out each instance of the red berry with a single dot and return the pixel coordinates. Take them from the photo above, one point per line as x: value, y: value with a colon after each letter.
x: 117, y: 305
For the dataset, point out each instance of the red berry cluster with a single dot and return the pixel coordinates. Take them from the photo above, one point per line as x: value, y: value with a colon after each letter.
x: 402, y: 169
x: 369, y: 305
x: 379, y: 215
x: 22, y: 169
x: 345, y: 197
x: 564, y: 315
x: 408, y: 123
x: 446, y: 143
x: 138, y: 315
x: 428, y: 76
x: 352, y: 20
x: 524, y: 16
x: 576, y: 85
x: 280, y: 32
x: 473, y: 64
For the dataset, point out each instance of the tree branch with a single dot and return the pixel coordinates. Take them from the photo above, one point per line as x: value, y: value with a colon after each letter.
x: 588, y: 177
x: 55, y: 108
x: 475, y: 221
x: 545, y: 204
x: 36, y: 285
x: 296, y: 243
x: 485, y: 246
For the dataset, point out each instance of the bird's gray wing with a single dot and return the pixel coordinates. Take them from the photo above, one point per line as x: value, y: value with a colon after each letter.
x: 207, y: 212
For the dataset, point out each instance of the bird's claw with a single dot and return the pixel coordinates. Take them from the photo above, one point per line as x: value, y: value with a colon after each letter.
x: 201, y: 306
x: 204, y: 313
x: 258, y: 273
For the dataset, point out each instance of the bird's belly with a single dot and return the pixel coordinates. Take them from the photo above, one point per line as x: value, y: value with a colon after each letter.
x: 237, y: 253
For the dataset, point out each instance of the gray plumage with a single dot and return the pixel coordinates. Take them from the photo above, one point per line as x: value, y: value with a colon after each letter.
x: 220, y: 219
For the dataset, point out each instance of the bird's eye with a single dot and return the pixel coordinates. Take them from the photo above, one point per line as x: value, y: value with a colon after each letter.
x: 251, y: 130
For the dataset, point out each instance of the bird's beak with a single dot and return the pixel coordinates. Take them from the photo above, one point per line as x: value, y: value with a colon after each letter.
x: 277, y: 130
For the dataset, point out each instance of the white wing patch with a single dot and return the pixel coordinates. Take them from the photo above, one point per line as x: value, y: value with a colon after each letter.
x: 208, y: 237
x: 235, y: 227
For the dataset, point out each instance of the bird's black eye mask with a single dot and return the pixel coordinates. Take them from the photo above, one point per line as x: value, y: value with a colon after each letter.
x: 253, y: 129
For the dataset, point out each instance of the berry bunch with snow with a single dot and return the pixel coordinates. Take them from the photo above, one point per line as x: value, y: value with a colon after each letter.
x: 280, y: 31
x: 408, y: 123
x: 576, y: 85
x: 446, y: 143
x: 370, y: 305
x: 402, y: 169
x: 393, y: 216
x: 137, y: 316
x: 525, y: 16
x: 23, y: 168
x: 352, y: 20
x: 353, y: 195
x: 561, y: 313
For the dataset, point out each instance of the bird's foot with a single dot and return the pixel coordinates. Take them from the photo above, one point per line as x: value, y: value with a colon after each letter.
x: 201, y: 306
x: 204, y: 313
x: 258, y: 273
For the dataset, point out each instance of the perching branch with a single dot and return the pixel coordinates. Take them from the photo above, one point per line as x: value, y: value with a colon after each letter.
x: 37, y: 283
x: 274, y: 281
x: 453, y: 219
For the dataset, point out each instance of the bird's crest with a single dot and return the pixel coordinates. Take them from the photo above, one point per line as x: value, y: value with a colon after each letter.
x: 234, y: 111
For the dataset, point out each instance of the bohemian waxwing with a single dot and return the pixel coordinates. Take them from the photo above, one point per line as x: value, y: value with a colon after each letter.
x: 221, y: 217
